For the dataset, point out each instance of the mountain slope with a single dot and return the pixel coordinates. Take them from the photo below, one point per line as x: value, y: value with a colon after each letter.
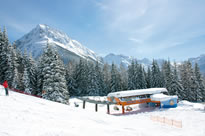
x: 23, y: 115
x: 36, y: 40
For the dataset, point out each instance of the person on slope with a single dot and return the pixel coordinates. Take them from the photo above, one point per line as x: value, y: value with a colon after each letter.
x: 5, y: 84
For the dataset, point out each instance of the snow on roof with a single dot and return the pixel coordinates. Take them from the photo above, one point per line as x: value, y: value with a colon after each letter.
x: 138, y: 92
x: 161, y: 97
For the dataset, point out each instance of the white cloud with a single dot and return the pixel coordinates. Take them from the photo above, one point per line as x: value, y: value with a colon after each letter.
x: 156, y: 25
x: 122, y: 13
x: 101, y: 5
x: 138, y: 41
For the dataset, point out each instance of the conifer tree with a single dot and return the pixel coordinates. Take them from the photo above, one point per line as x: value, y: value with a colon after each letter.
x: 54, y: 82
x: 184, y: 76
x: 30, y: 75
x: 33, y: 74
x: 11, y: 74
x: 176, y: 87
x: 20, y: 68
x: 115, y: 79
x: 191, y: 86
x: 92, y: 86
x: 168, y: 76
x: 201, y: 90
x: 156, y: 75
x: 124, y: 77
x: 8, y: 61
x: 1, y: 55
x: 149, y: 78
x: 100, y: 85
x: 40, y: 76
x: 71, y: 83
x: 137, y: 79
x: 81, y: 72
x: 131, y: 76
x: 142, y: 81
x: 194, y: 85
x: 16, y: 83
x: 106, y: 78
x: 26, y: 79
x: 4, y: 55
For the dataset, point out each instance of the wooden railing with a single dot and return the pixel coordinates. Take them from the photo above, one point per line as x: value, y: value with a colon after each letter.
x: 167, y: 121
x: 96, y: 102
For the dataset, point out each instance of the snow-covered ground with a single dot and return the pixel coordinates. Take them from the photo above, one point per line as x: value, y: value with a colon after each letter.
x: 22, y: 115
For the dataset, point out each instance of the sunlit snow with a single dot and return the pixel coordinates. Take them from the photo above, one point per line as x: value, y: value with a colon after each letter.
x: 23, y: 115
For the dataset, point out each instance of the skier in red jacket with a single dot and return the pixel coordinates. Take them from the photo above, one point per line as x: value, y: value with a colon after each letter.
x: 5, y: 84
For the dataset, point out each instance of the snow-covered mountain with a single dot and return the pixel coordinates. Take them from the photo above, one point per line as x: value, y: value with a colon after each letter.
x: 126, y: 60
x: 36, y: 40
x: 118, y: 59
x: 201, y: 62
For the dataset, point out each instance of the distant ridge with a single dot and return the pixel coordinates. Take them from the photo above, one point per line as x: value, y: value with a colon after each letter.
x: 201, y: 62
x: 127, y: 60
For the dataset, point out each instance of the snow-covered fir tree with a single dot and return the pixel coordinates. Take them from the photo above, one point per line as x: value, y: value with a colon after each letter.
x: 137, y: 79
x: 156, y: 75
x: 20, y: 68
x: 194, y: 85
x: 131, y: 76
x: 26, y: 81
x: 9, y: 75
x: 8, y: 61
x: 26, y: 77
x: 100, y: 85
x: 33, y: 74
x: 201, y: 90
x: 176, y: 87
x: 184, y: 77
x: 54, y: 83
x: 80, y: 76
x: 12, y: 73
x: 148, y: 77
x: 106, y: 78
x: 30, y: 74
x: 40, y: 76
x: 16, y: 83
x: 1, y: 55
x: 124, y: 77
x: 168, y: 76
x: 189, y: 82
x: 141, y: 76
x: 92, y: 84
x: 4, y: 54
x: 115, y: 79
x: 71, y: 83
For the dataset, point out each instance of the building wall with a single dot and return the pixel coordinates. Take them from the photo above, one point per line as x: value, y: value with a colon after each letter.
x: 172, y: 103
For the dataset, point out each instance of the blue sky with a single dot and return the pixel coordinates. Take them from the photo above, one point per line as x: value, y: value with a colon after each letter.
x: 172, y: 29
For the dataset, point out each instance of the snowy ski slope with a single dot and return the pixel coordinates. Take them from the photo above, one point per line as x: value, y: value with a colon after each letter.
x: 23, y: 115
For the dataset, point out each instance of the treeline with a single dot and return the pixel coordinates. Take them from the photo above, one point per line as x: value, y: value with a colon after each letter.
x: 184, y: 80
x: 53, y: 80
